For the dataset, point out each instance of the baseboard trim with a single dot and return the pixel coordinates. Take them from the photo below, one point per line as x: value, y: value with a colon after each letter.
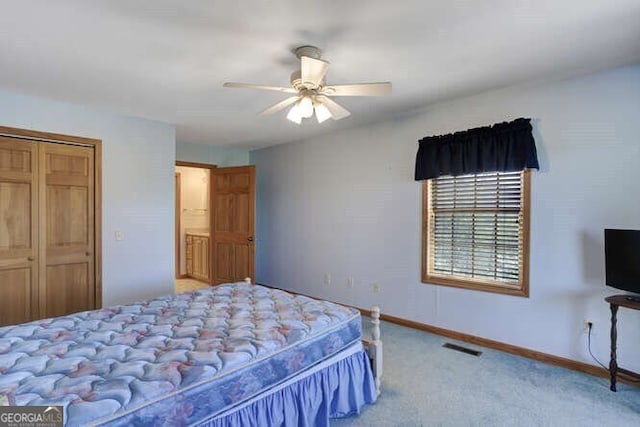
x: 497, y: 345
x: 550, y: 359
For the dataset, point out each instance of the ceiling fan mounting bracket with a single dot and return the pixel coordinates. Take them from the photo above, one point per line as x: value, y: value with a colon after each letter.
x: 308, y: 51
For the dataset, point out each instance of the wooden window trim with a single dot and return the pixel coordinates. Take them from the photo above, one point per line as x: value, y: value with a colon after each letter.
x: 478, y: 284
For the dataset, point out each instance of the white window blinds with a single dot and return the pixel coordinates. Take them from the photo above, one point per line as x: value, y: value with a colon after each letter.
x: 475, y: 228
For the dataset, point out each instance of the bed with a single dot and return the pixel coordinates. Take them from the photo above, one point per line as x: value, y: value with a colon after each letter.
x: 234, y: 354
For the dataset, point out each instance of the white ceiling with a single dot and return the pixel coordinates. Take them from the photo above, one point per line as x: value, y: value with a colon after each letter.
x: 167, y: 59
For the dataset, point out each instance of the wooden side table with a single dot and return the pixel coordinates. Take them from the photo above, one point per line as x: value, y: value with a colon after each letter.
x: 616, y: 301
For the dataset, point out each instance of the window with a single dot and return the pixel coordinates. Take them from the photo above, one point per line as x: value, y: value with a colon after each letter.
x: 475, y: 231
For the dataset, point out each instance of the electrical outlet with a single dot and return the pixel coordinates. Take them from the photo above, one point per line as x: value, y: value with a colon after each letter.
x: 327, y: 278
x: 351, y: 282
x: 586, y: 326
x: 376, y: 287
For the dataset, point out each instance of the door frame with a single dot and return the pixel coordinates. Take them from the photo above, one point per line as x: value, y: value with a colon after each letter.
x: 178, y: 223
x: 96, y: 144
x: 178, y: 213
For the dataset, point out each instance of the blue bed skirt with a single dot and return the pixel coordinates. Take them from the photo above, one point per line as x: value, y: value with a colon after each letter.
x: 335, y: 391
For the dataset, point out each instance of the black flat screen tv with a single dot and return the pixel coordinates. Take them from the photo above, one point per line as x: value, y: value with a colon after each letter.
x: 622, y: 260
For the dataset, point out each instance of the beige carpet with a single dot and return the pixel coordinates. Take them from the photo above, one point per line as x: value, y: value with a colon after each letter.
x: 185, y: 285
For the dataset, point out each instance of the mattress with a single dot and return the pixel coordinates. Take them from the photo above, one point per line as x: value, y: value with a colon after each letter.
x: 175, y: 359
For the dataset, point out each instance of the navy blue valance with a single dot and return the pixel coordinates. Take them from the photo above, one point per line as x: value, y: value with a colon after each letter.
x: 503, y: 147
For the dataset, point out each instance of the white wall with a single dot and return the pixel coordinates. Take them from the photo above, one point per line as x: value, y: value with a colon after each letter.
x: 212, y: 155
x: 346, y: 204
x: 138, y: 158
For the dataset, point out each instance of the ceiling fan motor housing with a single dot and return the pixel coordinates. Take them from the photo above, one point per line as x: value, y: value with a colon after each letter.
x: 297, y: 84
x: 296, y: 77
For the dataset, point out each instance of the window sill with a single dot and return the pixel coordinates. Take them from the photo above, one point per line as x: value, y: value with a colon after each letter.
x: 484, y: 286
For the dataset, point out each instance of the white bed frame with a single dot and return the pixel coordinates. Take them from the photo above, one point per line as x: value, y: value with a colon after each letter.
x: 373, y: 346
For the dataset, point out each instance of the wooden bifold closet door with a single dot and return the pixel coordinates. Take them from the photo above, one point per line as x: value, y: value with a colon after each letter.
x: 47, y: 230
x: 18, y: 231
x: 66, y: 246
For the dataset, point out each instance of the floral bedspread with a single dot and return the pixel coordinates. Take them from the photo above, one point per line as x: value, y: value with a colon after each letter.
x: 171, y: 360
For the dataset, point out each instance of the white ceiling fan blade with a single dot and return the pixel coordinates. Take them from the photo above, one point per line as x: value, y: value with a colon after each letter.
x: 337, y: 111
x: 312, y: 71
x: 260, y: 87
x: 358, y: 89
x: 279, y: 106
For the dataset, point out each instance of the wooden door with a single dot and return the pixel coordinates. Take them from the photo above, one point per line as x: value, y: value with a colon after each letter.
x: 233, y: 223
x: 67, y: 281
x: 18, y: 231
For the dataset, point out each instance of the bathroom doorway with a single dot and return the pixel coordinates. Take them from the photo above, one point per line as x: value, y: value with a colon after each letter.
x: 193, y: 219
x: 215, y: 222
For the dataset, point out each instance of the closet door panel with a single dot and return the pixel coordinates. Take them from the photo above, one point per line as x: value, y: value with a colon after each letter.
x: 67, y: 216
x: 16, y: 221
x: 67, y: 290
x: 68, y: 242
x: 18, y: 231
x: 15, y: 291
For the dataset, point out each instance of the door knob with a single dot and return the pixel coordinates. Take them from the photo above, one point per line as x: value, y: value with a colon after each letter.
x: 250, y: 238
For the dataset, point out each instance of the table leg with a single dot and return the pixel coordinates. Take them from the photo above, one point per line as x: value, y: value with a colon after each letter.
x: 613, y: 364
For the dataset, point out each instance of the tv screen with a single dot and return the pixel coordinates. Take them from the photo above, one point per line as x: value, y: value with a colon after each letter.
x: 622, y: 259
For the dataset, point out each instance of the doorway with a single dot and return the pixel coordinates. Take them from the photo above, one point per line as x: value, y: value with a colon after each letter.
x: 215, y: 224
x: 193, y: 219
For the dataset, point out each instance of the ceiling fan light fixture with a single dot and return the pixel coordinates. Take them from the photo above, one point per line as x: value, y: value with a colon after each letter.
x: 305, y: 105
x: 322, y: 113
x: 294, y: 114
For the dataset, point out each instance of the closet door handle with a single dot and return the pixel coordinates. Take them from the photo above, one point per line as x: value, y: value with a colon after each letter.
x: 87, y: 253
x: 31, y: 258
x: 250, y: 238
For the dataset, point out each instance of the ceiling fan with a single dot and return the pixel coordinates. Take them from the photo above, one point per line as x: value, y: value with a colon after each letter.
x: 311, y: 93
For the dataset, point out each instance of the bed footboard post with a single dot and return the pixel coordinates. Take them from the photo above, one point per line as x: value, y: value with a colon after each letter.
x: 374, y: 349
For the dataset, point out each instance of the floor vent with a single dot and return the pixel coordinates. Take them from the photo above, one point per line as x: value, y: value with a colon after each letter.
x: 462, y: 349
